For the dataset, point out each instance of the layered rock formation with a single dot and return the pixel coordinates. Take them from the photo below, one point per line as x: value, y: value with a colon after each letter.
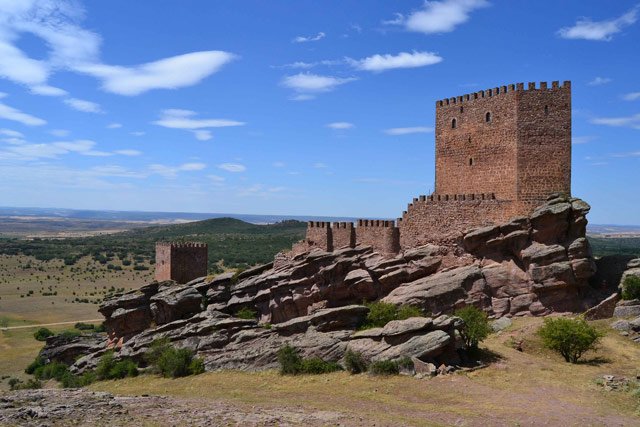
x: 527, y: 266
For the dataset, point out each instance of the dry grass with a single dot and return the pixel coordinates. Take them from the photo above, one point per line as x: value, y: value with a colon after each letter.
x: 518, y: 389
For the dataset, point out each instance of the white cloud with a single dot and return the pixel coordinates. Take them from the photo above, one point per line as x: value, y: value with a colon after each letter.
x: 320, y: 165
x: 340, y: 125
x: 438, y: 16
x: 172, y: 171
x: 599, y: 81
x: 276, y: 189
x: 215, y: 178
x: 82, y: 105
x: 202, y: 135
x: 401, y: 60
x: 294, y: 173
x: 277, y: 164
x: 12, y: 133
x: 59, y: 132
x: 232, y: 167
x: 138, y: 133
x: 169, y: 73
x: 47, y: 90
x: 301, y: 39
x: 10, y: 113
x: 631, y: 96
x: 307, y: 65
x: 587, y: 29
x: 128, y: 152
x: 114, y: 126
x: 73, y: 48
x: 406, y: 131
x: 582, y: 139
x: 25, y: 151
x: 306, y: 84
x: 631, y: 121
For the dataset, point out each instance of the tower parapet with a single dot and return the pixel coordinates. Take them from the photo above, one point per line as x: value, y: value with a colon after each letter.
x: 181, y: 261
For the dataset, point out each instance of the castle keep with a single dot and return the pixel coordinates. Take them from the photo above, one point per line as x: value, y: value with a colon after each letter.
x: 499, y: 153
x: 181, y: 262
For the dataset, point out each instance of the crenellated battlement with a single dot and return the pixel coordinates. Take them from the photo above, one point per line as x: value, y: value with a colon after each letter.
x: 376, y: 223
x: 344, y: 225
x: 181, y: 244
x: 318, y: 224
x: 502, y: 90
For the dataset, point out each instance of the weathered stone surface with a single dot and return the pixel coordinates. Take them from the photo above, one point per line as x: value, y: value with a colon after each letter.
x: 635, y: 324
x: 544, y: 254
x: 634, y: 263
x: 500, y: 324
x: 66, y: 350
x: 604, y: 310
x: 421, y: 346
x: 621, y: 325
x: 174, y: 302
x: 630, y: 308
x: 550, y: 222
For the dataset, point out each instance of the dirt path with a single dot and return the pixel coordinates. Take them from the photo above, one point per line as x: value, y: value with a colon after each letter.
x: 42, y: 325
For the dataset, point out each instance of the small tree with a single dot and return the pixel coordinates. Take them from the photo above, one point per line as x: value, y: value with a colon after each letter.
x: 354, y: 362
x: 476, y: 326
x: 631, y: 288
x: 42, y: 334
x: 569, y: 337
x: 289, y: 360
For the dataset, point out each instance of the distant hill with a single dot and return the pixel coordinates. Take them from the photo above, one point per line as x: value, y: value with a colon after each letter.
x: 236, y: 243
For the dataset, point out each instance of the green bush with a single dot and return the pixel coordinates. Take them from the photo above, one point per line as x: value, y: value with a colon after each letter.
x: 476, y: 326
x: 106, y: 364
x: 197, y: 366
x: 317, y: 365
x: 101, y: 328
x: 16, y: 384
x: 70, y: 334
x: 42, y: 334
x: 38, y: 362
x: 174, y: 363
x: 384, y: 367
x: 123, y: 369
x: 631, y: 288
x: 246, y: 313
x: 155, y: 350
x: 354, y: 362
x: 289, y: 360
x: 381, y: 313
x: 569, y: 337
x: 83, y: 326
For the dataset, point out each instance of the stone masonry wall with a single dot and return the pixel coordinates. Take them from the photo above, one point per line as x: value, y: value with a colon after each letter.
x: 443, y: 218
x: 382, y: 235
x: 181, y: 262
x: 319, y: 235
x: 344, y: 235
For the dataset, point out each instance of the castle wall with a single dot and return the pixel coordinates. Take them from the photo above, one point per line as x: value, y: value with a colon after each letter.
x: 181, y: 262
x: 382, y: 235
x: 544, y: 142
x: 441, y: 219
x: 319, y: 235
x: 477, y: 156
x: 344, y: 235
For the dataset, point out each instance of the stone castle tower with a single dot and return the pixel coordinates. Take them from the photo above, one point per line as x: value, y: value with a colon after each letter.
x: 181, y: 262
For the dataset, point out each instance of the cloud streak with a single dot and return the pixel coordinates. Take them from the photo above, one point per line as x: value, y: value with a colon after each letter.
x: 438, y: 16
x: 408, y: 130
x: 301, y: 39
x: 10, y: 113
x: 402, y: 60
x: 586, y: 29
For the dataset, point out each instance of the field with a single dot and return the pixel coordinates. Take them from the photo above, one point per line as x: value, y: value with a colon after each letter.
x: 533, y: 387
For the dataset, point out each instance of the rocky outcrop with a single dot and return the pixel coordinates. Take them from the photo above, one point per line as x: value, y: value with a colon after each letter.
x: 226, y: 342
x: 629, y: 308
x: 66, y: 350
x: 604, y: 310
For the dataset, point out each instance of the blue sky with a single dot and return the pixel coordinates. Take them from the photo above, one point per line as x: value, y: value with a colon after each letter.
x: 294, y: 107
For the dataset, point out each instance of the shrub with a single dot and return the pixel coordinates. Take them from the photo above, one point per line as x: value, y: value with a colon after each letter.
x: 317, y: 365
x: 70, y: 334
x: 476, y: 326
x: 124, y: 369
x: 384, y: 367
x: 38, y: 362
x: 101, y: 328
x: 155, y: 350
x: 83, y: 326
x: 569, y: 337
x: 289, y: 360
x: 16, y: 384
x: 354, y: 362
x: 197, y: 366
x: 106, y: 364
x: 174, y: 363
x: 381, y: 313
x: 42, y: 334
x: 246, y: 313
x: 631, y: 288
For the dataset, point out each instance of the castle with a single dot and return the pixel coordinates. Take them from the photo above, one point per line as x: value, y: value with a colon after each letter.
x: 499, y: 153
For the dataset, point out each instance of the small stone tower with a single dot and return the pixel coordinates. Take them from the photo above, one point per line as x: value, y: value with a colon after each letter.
x: 181, y: 262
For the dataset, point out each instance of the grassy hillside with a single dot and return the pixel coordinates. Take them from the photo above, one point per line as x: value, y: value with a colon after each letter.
x: 232, y: 242
x: 615, y: 246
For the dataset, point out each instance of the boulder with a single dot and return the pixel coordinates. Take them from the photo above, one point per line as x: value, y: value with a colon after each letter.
x: 635, y: 324
x: 543, y: 254
x: 500, y: 324
x: 65, y: 350
x: 630, y: 308
x: 174, y: 302
x: 550, y: 222
x: 621, y: 325
x: 604, y: 310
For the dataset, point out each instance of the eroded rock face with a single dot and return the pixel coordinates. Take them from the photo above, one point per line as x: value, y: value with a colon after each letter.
x: 66, y: 350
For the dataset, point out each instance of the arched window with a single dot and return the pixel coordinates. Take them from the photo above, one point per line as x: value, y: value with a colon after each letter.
x: 470, y: 161
x: 546, y: 109
x: 488, y: 117
x: 453, y: 124
x: 462, y: 109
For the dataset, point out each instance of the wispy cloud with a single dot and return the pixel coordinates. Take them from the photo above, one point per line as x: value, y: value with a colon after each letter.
x: 232, y: 167
x: 438, y: 16
x: 82, y: 105
x: 301, y: 39
x: 402, y: 60
x: 320, y: 165
x: 12, y: 133
x: 114, y: 126
x: 10, y: 113
x: 631, y: 96
x: 631, y: 121
x: 47, y: 90
x: 409, y: 130
x: 184, y: 119
x: 172, y: 171
x: 587, y: 29
x: 138, y: 133
x: 340, y: 125
x: 307, y: 84
x: 59, y: 132
x: 599, y: 81
x: 582, y: 139
x: 128, y: 152
x: 215, y: 178
x: 277, y: 164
